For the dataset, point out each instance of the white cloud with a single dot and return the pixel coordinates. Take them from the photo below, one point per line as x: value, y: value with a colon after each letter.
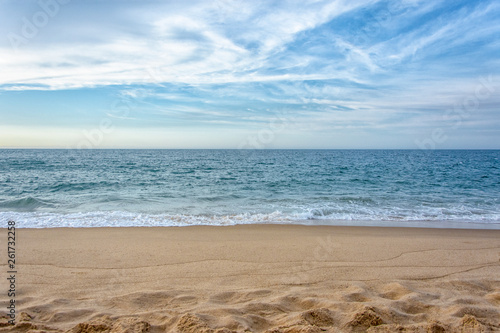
x: 243, y: 60
x: 184, y: 45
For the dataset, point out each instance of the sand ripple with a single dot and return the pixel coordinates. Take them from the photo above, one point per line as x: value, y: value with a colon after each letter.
x: 401, y: 306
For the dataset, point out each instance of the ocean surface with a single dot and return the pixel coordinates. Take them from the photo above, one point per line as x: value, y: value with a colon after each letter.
x: 94, y: 188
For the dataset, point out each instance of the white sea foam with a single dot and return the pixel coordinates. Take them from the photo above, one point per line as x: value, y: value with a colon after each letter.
x: 128, y: 219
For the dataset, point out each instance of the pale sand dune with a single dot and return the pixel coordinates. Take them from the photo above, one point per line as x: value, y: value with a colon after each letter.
x: 258, y: 278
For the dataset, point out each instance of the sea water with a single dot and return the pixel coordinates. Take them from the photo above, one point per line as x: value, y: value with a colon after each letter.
x: 94, y: 188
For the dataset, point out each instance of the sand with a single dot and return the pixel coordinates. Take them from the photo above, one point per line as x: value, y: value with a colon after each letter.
x: 256, y: 278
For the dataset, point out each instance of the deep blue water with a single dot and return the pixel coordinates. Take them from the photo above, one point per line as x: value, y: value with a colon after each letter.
x: 82, y: 188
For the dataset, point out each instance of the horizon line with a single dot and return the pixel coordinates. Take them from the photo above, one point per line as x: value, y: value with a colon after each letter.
x: 242, y: 149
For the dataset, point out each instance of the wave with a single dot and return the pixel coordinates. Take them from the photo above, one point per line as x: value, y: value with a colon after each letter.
x: 82, y: 186
x: 312, y: 216
x: 26, y: 204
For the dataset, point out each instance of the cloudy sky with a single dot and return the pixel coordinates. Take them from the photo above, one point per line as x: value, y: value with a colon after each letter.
x: 250, y: 74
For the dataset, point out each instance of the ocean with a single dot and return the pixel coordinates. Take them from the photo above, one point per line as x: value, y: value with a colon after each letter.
x: 103, y: 188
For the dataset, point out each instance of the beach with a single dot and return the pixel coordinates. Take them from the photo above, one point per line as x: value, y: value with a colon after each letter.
x: 256, y: 278
x: 250, y: 167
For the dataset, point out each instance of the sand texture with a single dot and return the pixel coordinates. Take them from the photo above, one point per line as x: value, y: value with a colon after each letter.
x: 256, y: 278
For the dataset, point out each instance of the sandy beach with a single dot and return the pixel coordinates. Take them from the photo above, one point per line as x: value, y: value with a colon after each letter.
x: 256, y: 278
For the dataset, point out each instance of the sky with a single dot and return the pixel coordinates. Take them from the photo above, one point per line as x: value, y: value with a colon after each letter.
x: 236, y: 74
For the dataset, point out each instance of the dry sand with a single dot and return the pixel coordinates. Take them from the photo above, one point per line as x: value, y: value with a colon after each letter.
x: 256, y: 278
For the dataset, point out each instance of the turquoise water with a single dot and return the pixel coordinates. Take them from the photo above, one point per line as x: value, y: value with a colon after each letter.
x: 88, y: 188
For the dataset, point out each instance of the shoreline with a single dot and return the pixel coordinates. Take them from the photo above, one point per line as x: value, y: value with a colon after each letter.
x: 445, y: 225
x: 258, y: 278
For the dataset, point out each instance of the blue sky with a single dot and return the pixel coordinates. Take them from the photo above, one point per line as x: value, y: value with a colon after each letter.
x: 250, y: 74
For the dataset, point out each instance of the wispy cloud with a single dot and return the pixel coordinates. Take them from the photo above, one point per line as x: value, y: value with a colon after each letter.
x: 364, y: 64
